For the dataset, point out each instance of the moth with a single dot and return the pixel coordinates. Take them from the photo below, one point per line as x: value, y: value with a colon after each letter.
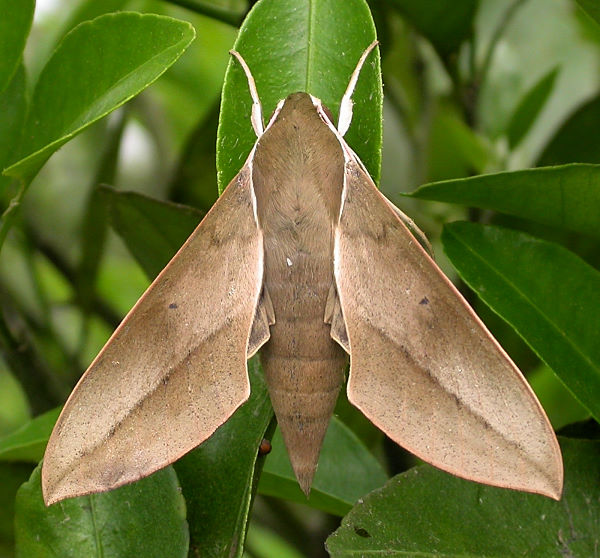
x: 303, y: 258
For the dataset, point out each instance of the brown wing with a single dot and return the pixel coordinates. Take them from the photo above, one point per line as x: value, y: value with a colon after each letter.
x: 175, y: 369
x: 423, y: 367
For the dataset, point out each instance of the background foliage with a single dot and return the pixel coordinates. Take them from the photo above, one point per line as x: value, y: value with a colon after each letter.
x: 492, y: 112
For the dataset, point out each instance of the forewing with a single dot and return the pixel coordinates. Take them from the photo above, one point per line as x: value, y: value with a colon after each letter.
x: 423, y: 367
x: 175, y: 369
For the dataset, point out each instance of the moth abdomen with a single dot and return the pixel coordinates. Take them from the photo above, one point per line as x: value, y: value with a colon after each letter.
x: 304, y: 388
x: 304, y: 370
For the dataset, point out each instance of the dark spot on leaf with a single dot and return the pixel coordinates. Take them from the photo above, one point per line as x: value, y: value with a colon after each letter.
x: 362, y: 532
x: 424, y: 300
x: 173, y: 305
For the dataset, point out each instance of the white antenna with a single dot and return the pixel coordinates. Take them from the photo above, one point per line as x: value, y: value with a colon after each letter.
x: 346, y: 104
x: 256, y: 118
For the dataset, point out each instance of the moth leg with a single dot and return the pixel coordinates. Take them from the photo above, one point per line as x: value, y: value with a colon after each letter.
x: 330, y: 304
x: 334, y: 316
x: 413, y: 228
x: 268, y: 305
x: 264, y: 317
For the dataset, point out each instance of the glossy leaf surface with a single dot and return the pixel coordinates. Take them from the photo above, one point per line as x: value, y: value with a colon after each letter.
x: 566, y: 197
x: 425, y: 512
x: 123, y: 522
x: 71, y: 93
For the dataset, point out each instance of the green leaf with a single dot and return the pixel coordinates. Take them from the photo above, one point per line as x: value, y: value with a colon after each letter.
x: 264, y: 543
x: 153, y: 230
x: 29, y: 442
x: 446, y: 24
x: 195, y: 178
x: 90, y: 9
x: 577, y: 140
x: 14, y: 407
x: 454, y: 149
x: 130, y: 51
x: 425, y: 512
x: 77, y: 12
x: 14, y: 106
x: 146, y: 518
x: 567, y: 197
x: 14, y: 28
x: 306, y: 45
x: 347, y: 471
x: 217, y: 478
x: 529, y: 108
x: 592, y: 8
x: 560, y: 406
x: 550, y: 296
x: 12, y: 476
